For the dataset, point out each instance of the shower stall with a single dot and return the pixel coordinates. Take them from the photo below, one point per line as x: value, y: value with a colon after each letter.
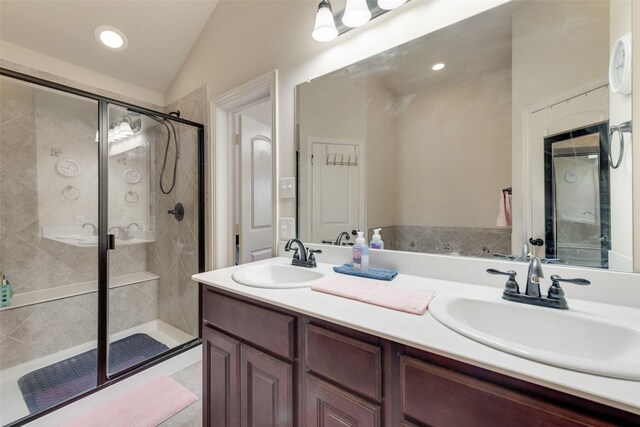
x: 101, y: 228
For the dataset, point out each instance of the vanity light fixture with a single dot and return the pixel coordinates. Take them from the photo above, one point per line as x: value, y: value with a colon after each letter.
x: 437, y: 67
x: 111, y: 38
x: 356, y: 13
x: 390, y: 4
x: 325, y: 28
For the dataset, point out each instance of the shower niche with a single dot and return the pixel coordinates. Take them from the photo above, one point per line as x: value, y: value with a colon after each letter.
x: 88, y: 242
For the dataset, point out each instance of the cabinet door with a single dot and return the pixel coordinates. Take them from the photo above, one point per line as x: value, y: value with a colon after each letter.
x: 329, y: 406
x: 266, y: 390
x: 221, y: 386
x: 435, y: 396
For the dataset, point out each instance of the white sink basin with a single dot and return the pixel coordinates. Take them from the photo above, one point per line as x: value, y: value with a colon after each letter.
x: 572, y: 339
x: 276, y: 276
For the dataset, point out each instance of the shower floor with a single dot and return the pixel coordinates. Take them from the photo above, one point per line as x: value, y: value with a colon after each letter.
x: 12, y: 404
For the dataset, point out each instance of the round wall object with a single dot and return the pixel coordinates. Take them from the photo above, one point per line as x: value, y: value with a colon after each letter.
x: 620, y: 66
x: 132, y: 176
x: 67, y: 168
x: 571, y: 177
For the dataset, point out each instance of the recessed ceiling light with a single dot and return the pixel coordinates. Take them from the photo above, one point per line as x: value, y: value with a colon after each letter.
x: 437, y: 67
x: 110, y: 37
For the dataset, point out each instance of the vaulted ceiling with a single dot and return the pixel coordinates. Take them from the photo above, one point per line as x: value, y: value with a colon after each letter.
x: 160, y: 34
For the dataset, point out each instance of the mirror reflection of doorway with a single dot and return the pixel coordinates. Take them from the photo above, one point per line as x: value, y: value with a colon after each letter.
x: 577, y: 197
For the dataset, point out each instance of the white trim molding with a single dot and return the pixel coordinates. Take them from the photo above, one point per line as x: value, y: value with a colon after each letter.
x: 221, y: 159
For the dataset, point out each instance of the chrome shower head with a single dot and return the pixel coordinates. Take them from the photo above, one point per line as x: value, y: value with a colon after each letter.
x: 135, y: 124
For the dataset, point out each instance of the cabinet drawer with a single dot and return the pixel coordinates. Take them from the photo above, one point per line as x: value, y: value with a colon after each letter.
x: 439, y: 397
x: 265, y: 328
x: 327, y: 405
x: 347, y: 361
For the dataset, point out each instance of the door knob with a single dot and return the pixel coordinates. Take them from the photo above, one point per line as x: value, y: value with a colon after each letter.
x: 536, y: 242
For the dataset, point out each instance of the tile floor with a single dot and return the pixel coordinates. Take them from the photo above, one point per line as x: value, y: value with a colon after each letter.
x: 185, y: 368
x: 191, y: 378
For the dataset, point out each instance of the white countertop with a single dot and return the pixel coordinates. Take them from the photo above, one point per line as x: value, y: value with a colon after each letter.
x: 426, y: 333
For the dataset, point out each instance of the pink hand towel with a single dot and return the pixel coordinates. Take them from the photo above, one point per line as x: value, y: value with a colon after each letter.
x: 373, y: 292
x: 504, y: 212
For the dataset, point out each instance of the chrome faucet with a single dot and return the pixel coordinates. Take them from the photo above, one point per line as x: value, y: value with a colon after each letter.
x: 555, y: 297
x: 338, y: 241
x: 94, y: 229
x: 534, y: 274
x: 300, y: 257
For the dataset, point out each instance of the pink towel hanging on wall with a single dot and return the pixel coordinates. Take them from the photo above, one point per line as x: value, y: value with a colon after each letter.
x: 504, y: 210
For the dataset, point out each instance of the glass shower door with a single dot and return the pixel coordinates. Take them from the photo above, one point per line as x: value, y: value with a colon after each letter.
x: 152, y: 215
x: 48, y: 247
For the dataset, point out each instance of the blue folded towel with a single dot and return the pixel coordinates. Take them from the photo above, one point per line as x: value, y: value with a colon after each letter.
x: 373, y: 273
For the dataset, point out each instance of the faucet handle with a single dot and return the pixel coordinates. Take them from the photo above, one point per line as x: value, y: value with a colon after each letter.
x: 555, y: 279
x: 312, y: 257
x: 557, y: 293
x: 511, y: 286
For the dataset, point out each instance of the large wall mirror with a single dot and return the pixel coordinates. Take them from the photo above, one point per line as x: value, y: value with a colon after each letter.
x: 504, y: 134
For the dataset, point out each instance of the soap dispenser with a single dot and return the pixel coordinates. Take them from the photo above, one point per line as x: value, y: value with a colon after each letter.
x: 361, y: 254
x: 376, y: 240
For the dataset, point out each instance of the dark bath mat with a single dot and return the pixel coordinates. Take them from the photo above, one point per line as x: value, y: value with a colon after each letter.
x: 56, y: 383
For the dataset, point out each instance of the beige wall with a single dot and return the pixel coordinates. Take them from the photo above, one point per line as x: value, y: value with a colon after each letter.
x: 382, y: 157
x: 277, y: 35
x: 454, y: 156
x: 25, y: 60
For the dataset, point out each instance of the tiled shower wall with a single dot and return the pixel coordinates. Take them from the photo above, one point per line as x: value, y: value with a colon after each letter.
x: 174, y: 254
x: 34, y: 331
x: 463, y: 241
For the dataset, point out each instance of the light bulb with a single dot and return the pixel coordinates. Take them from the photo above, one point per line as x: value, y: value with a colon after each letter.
x: 390, y: 4
x: 356, y: 13
x: 125, y: 129
x: 111, y: 38
x: 325, y: 28
x: 438, y: 67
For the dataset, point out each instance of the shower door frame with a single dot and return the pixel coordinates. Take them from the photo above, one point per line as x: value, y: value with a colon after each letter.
x: 103, y: 378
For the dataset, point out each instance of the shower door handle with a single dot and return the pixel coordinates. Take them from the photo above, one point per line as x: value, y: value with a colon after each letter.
x: 111, y: 242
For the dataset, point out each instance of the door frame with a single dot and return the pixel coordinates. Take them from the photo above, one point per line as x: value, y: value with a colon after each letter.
x: 550, y: 217
x: 221, y: 179
x: 522, y: 181
x: 308, y: 173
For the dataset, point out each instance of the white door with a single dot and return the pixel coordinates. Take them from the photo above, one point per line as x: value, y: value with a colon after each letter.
x: 256, y: 199
x: 337, y: 191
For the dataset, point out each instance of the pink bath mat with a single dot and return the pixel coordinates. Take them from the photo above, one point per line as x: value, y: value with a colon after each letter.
x: 146, y: 406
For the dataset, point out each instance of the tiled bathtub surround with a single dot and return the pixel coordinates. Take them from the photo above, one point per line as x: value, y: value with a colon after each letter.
x: 464, y: 241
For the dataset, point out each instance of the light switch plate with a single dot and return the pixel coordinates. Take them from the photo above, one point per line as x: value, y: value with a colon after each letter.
x: 287, y: 188
x: 287, y: 228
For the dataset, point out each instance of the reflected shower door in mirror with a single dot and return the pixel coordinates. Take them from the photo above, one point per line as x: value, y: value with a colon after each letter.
x: 454, y: 125
x: 577, y: 198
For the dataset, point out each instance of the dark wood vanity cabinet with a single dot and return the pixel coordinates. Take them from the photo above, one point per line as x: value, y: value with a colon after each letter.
x: 247, y: 364
x: 265, y: 366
